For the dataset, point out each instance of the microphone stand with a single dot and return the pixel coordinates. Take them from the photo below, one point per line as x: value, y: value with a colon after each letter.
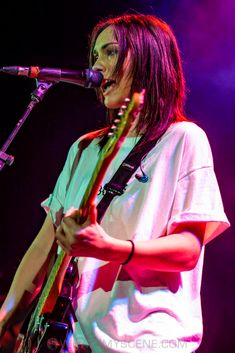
x: 36, y: 97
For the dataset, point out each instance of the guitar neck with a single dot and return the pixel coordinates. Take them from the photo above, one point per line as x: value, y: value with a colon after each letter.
x: 116, y: 137
x: 53, y: 285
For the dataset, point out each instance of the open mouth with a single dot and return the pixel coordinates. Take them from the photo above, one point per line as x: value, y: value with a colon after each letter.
x: 107, y: 84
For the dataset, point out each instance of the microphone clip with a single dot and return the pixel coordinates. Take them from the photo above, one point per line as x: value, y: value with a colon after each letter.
x: 142, y: 178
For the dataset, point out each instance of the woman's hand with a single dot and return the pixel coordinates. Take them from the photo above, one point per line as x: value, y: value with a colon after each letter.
x: 88, y: 240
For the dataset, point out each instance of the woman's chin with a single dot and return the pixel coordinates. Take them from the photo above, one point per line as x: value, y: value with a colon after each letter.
x: 113, y: 103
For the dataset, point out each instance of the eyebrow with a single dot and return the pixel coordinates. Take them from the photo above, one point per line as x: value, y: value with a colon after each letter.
x: 104, y: 46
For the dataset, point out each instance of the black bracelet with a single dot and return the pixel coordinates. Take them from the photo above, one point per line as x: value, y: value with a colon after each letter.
x: 131, y: 253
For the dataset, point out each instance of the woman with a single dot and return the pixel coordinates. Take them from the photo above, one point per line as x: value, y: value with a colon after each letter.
x: 140, y: 269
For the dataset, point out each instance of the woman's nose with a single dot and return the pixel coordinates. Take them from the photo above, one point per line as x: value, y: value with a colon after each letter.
x: 99, y: 65
x: 98, y: 68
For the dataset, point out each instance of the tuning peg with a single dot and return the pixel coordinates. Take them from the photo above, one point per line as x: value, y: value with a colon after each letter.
x: 121, y: 110
x: 112, y: 130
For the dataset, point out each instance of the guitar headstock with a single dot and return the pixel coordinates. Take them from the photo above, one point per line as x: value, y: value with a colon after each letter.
x: 117, y: 134
x: 124, y: 121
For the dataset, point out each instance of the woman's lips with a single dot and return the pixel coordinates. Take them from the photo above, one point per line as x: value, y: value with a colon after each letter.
x: 107, y: 85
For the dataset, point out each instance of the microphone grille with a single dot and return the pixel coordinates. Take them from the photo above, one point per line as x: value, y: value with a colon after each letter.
x: 93, y: 78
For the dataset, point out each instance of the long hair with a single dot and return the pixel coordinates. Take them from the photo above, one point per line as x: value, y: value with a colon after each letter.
x: 155, y: 66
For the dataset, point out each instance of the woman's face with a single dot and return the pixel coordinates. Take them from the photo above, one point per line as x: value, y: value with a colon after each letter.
x: 106, y: 51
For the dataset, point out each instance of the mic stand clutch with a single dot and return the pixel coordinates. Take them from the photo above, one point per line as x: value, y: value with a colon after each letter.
x: 36, y: 97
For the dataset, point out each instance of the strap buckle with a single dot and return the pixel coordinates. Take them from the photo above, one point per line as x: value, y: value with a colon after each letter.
x: 114, y: 189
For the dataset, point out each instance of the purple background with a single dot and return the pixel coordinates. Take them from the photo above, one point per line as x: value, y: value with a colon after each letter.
x: 52, y: 35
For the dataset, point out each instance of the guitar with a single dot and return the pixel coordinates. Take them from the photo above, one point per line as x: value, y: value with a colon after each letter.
x: 51, y: 322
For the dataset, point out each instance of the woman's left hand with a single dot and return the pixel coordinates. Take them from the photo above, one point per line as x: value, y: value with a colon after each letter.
x: 88, y: 240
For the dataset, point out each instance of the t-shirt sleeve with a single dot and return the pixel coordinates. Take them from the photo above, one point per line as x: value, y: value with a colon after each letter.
x: 54, y: 204
x: 197, y: 197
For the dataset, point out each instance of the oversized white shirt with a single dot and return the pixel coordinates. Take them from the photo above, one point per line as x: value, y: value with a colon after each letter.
x: 124, y: 309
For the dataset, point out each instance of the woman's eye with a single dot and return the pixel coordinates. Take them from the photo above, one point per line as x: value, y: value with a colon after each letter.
x: 112, y: 52
x: 108, y: 52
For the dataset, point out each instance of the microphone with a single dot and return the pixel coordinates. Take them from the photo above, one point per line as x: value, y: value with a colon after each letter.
x: 86, y: 78
x: 142, y: 178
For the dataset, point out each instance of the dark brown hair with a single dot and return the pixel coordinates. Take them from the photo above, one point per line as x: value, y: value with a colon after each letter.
x: 156, y: 67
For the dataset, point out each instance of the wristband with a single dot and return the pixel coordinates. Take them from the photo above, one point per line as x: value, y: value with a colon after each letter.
x: 131, y: 252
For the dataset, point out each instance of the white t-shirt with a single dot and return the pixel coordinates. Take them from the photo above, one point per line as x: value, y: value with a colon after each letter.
x: 123, y: 309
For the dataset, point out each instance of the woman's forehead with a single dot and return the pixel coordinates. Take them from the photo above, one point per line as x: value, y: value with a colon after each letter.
x: 106, y: 36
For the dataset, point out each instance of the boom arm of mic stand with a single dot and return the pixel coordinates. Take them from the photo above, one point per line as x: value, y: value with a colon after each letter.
x: 36, y: 97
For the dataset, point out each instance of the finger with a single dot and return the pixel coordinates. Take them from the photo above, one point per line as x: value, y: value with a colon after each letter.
x: 59, y: 232
x: 59, y: 229
x: 59, y: 235
x: 72, y: 212
x: 93, y: 213
x: 63, y: 247
x: 68, y: 224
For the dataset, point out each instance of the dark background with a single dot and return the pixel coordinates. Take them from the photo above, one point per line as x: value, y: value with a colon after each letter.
x: 56, y: 35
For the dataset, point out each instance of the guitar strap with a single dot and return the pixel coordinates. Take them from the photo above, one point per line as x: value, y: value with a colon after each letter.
x: 117, y: 185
